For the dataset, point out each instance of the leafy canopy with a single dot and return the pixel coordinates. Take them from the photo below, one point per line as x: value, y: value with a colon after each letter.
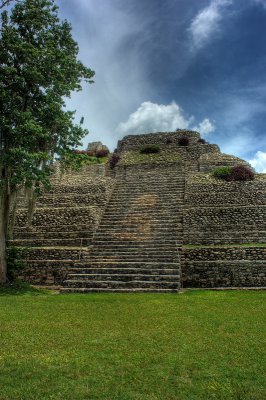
x: 39, y: 68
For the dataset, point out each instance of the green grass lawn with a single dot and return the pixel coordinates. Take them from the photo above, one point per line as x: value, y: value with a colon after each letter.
x: 195, y: 345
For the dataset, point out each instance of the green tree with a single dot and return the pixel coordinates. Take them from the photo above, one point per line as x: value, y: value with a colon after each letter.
x: 39, y: 69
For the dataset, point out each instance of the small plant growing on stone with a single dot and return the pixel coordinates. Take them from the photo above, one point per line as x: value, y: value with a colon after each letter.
x: 202, y: 141
x: 102, y: 153
x: 169, y: 141
x: 152, y: 149
x: 183, y: 141
x: 222, y: 173
x: 237, y: 173
x: 241, y: 173
x: 114, y: 160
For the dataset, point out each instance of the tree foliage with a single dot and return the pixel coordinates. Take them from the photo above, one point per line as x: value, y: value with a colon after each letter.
x: 39, y: 69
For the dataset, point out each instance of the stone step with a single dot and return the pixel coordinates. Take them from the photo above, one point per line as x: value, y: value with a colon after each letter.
x: 154, y: 178
x: 128, y: 237
x: 137, y: 235
x: 127, y: 232
x: 130, y: 218
x: 135, y: 204
x: 131, y: 252
x: 130, y: 258
x: 148, y: 212
x: 75, y: 263
x: 123, y: 277
x: 147, y: 187
x: 102, y: 241
x: 155, y: 225
x: 137, y: 246
x: 160, y: 207
x: 156, y: 242
x: 121, y: 285
x: 156, y: 214
x: 124, y: 271
x: 108, y: 290
x: 150, y: 181
x: 162, y: 190
x: 142, y: 194
x: 133, y: 221
x: 141, y: 197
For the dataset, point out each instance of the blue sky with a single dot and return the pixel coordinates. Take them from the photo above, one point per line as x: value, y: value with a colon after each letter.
x: 162, y: 65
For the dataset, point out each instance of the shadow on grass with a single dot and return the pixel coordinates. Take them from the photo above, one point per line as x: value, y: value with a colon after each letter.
x: 19, y: 288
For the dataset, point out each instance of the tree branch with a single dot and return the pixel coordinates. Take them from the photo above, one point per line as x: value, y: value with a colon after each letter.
x: 5, y: 3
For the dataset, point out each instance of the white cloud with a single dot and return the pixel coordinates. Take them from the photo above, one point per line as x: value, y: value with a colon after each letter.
x: 259, y: 161
x: 205, y: 127
x: 207, y: 22
x: 152, y: 117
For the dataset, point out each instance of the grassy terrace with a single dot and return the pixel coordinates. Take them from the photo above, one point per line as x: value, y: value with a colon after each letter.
x: 196, y: 345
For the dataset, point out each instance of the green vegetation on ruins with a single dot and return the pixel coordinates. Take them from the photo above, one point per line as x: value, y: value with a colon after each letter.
x: 74, y: 162
x: 236, y: 173
x: 194, y: 346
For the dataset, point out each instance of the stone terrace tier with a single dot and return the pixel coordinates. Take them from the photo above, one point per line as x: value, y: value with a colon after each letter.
x: 132, y: 142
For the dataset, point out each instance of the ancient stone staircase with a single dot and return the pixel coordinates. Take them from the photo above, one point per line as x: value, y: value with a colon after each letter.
x: 136, y: 245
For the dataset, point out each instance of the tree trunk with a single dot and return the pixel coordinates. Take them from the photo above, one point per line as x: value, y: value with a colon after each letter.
x: 12, y: 214
x: 4, y: 212
x: 31, y: 198
x: 2, y: 255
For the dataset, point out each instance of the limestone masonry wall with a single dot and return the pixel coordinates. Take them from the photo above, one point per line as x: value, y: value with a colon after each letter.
x: 214, y: 217
x: 224, y: 267
x: 203, y: 190
x: 224, y: 212
x: 211, y: 160
x: 132, y: 142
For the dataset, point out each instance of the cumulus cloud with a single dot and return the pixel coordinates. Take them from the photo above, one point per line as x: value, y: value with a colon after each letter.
x: 207, y: 22
x: 259, y: 161
x: 205, y: 127
x: 152, y: 117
